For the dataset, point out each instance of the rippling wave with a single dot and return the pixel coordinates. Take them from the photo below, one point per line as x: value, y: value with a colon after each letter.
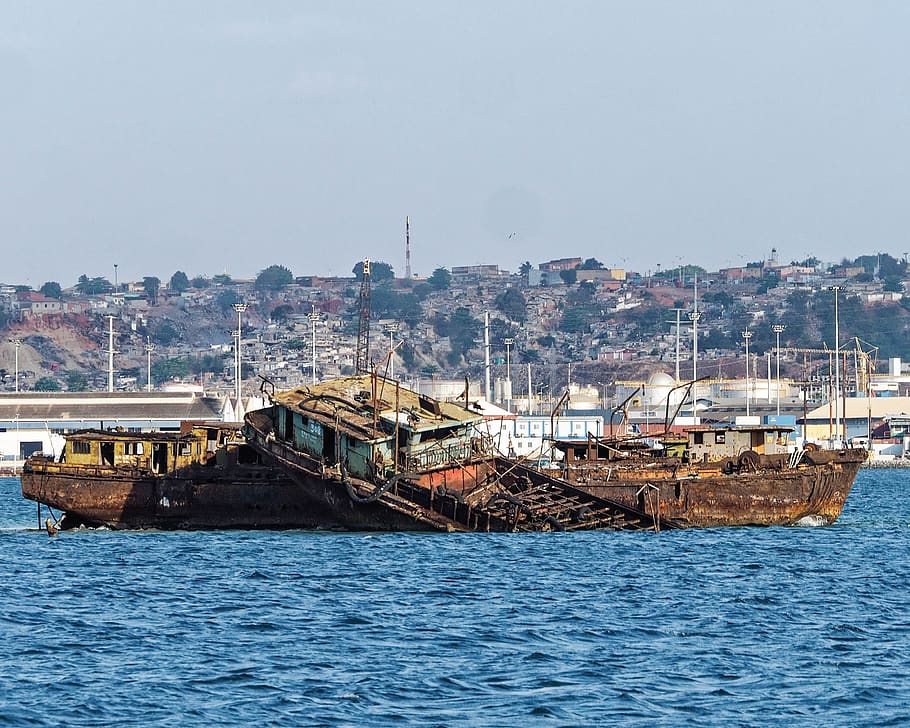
x: 717, y: 627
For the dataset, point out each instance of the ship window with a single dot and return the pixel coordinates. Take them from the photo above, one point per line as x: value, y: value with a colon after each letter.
x: 132, y: 448
x: 186, y: 448
x: 720, y: 438
x: 81, y: 447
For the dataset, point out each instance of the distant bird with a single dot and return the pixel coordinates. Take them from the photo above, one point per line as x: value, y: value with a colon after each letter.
x: 511, y: 235
x: 50, y: 526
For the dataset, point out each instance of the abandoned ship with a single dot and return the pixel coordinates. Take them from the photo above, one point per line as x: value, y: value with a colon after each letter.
x: 356, y: 453
x: 365, y: 453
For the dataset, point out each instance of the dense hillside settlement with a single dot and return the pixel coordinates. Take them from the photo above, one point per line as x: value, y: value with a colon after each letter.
x: 551, y: 323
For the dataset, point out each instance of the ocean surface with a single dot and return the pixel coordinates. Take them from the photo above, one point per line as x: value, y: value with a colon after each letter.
x: 721, y: 627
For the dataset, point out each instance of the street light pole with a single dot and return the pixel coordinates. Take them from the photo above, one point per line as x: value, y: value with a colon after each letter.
x: 392, y: 329
x: 693, y: 317
x: 835, y: 289
x: 239, y: 308
x: 110, y: 355
x: 778, y: 330
x: 747, y: 335
x: 17, y: 343
x: 149, y: 348
x: 508, y: 342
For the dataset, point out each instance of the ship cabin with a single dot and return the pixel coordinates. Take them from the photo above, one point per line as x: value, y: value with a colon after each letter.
x: 157, y: 452
x: 373, y: 427
x: 730, y: 441
x: 695, y: 445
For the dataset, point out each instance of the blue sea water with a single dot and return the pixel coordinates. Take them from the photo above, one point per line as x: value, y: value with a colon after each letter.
x: 717, y: 627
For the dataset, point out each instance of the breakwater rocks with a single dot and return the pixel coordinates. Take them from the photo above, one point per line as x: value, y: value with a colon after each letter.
x: 886, y: 463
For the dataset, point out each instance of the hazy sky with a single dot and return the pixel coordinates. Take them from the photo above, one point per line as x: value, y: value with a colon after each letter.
x: 216, y: 136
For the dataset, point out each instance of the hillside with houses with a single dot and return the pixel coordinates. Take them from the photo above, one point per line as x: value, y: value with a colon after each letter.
x: 560, y: 320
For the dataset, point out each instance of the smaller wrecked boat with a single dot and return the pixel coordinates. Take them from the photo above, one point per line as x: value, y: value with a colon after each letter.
x: 729, y: 475
x: 204, y: 476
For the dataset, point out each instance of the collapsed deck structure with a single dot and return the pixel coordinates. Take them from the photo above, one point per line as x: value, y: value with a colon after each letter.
x: 370, y: 454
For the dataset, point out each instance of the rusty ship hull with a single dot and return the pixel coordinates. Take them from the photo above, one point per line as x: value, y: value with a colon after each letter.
x: 762, y: 491
x: 195, y: 499
x: 203, y: 477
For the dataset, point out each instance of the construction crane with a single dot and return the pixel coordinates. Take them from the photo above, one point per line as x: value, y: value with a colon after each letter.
x: 865, y: 361
x: 362, y: 362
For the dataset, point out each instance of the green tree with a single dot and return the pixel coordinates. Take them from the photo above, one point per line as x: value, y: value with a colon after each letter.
x: 408, y: 356
x: 568, y: 276
x: 525, y: 268
x: 274, y: 278
x: 798, y: 302
x: 222, y: 279
x: 93, y: 286
x: 179, y: 282
x: 591, y: 264
x: 151, y: 284
x: 51, y: 289
x: 513, y: 304
x: 441, y: 326
x: 575, y: 320
x: 441, y: 279
x: 463, y: 330
x: 379, y: 271
x: 47, y: 384
x: 226, y: 299
x: 766, y: 284
x: 281, y: 313
x: 546, y: 342
x: 201, y: 282
x: 164, y: 370
x: 714, y: 339
x: 207, y: 363
x: 75, y: 380
x: 164, y: 333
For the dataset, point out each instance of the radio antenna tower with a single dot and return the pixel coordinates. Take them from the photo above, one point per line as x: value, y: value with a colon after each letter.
x: 407, y: 247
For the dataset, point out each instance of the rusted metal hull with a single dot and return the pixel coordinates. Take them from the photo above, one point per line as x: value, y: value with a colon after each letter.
x: 693, y: 497
x: 203, y: 498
